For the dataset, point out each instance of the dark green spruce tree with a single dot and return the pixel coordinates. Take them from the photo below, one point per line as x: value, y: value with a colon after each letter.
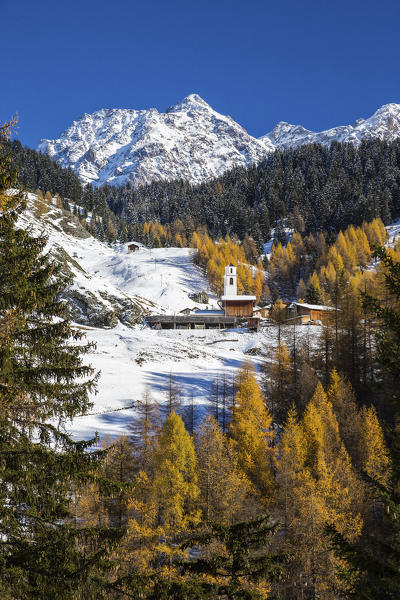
x: 238, y: 558
x: 44, y: 382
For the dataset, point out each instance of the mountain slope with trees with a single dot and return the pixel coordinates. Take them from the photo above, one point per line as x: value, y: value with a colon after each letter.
x: 315, y: 188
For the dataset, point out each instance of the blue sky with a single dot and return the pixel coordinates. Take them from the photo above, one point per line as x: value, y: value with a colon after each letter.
x: 318, y: 63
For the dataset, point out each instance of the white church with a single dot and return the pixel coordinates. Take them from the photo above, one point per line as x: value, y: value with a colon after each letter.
x: 235, y: 305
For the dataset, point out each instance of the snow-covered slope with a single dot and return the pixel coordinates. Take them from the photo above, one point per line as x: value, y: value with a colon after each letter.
x: 95, y: 299
x: 111, y: 285
x: 384, y: 124
x: 165, y: 276
x: 189, y: 141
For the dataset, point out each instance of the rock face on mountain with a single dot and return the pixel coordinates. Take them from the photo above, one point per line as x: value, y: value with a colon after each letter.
x: 384, y: 124
x: 189, y: 141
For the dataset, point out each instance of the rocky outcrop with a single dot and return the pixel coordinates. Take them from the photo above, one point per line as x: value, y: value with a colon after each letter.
x: 103, y: 310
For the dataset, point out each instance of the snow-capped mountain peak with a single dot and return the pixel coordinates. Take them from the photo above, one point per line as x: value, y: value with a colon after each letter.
x: 286, y: 131
x: 189, y: 141
x: 383, y: 124
x: 193, y: 101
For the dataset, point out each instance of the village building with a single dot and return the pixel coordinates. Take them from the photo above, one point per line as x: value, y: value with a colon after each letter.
x: 235, y: 305
x: 189, y: 311
x: 206, y: 319
x: 309, y: 313
x: 238, y: 310
x: 253, y: 323
x: 133, y: 247
x: 235, y: 309
x: 262, y: 311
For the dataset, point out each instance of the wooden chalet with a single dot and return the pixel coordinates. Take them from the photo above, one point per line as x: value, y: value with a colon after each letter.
x: 261, y: 311
x: 133, y: 247
x: 309, y: 313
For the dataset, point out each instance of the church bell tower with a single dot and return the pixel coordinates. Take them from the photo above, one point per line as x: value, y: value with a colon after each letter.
x: 230, y: 281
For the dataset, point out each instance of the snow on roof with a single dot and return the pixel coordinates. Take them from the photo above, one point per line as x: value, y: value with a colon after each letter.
x: 313, y: 306
x: 238, y: 298
x: 209, y: 312
x: 139, y: 244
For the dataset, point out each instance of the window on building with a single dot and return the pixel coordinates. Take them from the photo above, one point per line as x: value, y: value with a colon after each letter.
x: 231, y: 281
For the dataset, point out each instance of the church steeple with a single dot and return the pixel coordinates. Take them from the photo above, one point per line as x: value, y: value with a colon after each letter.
x: 230, y: 281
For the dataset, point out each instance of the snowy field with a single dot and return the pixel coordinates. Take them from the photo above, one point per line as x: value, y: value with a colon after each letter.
x: 393, y: 231
x: 132, y: 359
x: 163, y: 275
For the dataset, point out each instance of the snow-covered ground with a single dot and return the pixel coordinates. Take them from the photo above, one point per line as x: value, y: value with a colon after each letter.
x: 393, y: 231
x: 162, y: 276
x: 132, y: 359
x: 165, y: 276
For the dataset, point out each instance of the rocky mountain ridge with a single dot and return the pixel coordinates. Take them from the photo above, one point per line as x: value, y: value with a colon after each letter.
x: 190, y: 141
x: 384, y: 124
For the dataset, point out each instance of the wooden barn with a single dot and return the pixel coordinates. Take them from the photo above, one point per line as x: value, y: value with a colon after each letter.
x: 253, y: 323
x: 133, y: 247
x: 242, y: 306
x: 306, y: 313
x: 235, y: 305
x: 261, y: 311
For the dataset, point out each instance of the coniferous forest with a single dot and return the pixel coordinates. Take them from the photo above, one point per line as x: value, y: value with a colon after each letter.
x: 313, y: 187
x: 288, y: 486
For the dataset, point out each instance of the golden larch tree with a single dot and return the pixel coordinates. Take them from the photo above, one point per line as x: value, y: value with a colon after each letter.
x: 251, y: 431
x: 317, y: 485
x: 374, y: 454
x: 164, y: 506
x: 224, y: 488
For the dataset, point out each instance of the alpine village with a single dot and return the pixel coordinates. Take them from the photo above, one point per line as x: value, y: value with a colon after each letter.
x: 199, y: 328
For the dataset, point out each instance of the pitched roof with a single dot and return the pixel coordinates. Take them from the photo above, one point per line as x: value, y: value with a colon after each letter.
x: 313, y: 306
x: 237, y: 298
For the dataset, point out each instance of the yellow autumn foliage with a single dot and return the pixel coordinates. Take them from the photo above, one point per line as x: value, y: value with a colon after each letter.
x: 215, y: 256
x: 252, y: 433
